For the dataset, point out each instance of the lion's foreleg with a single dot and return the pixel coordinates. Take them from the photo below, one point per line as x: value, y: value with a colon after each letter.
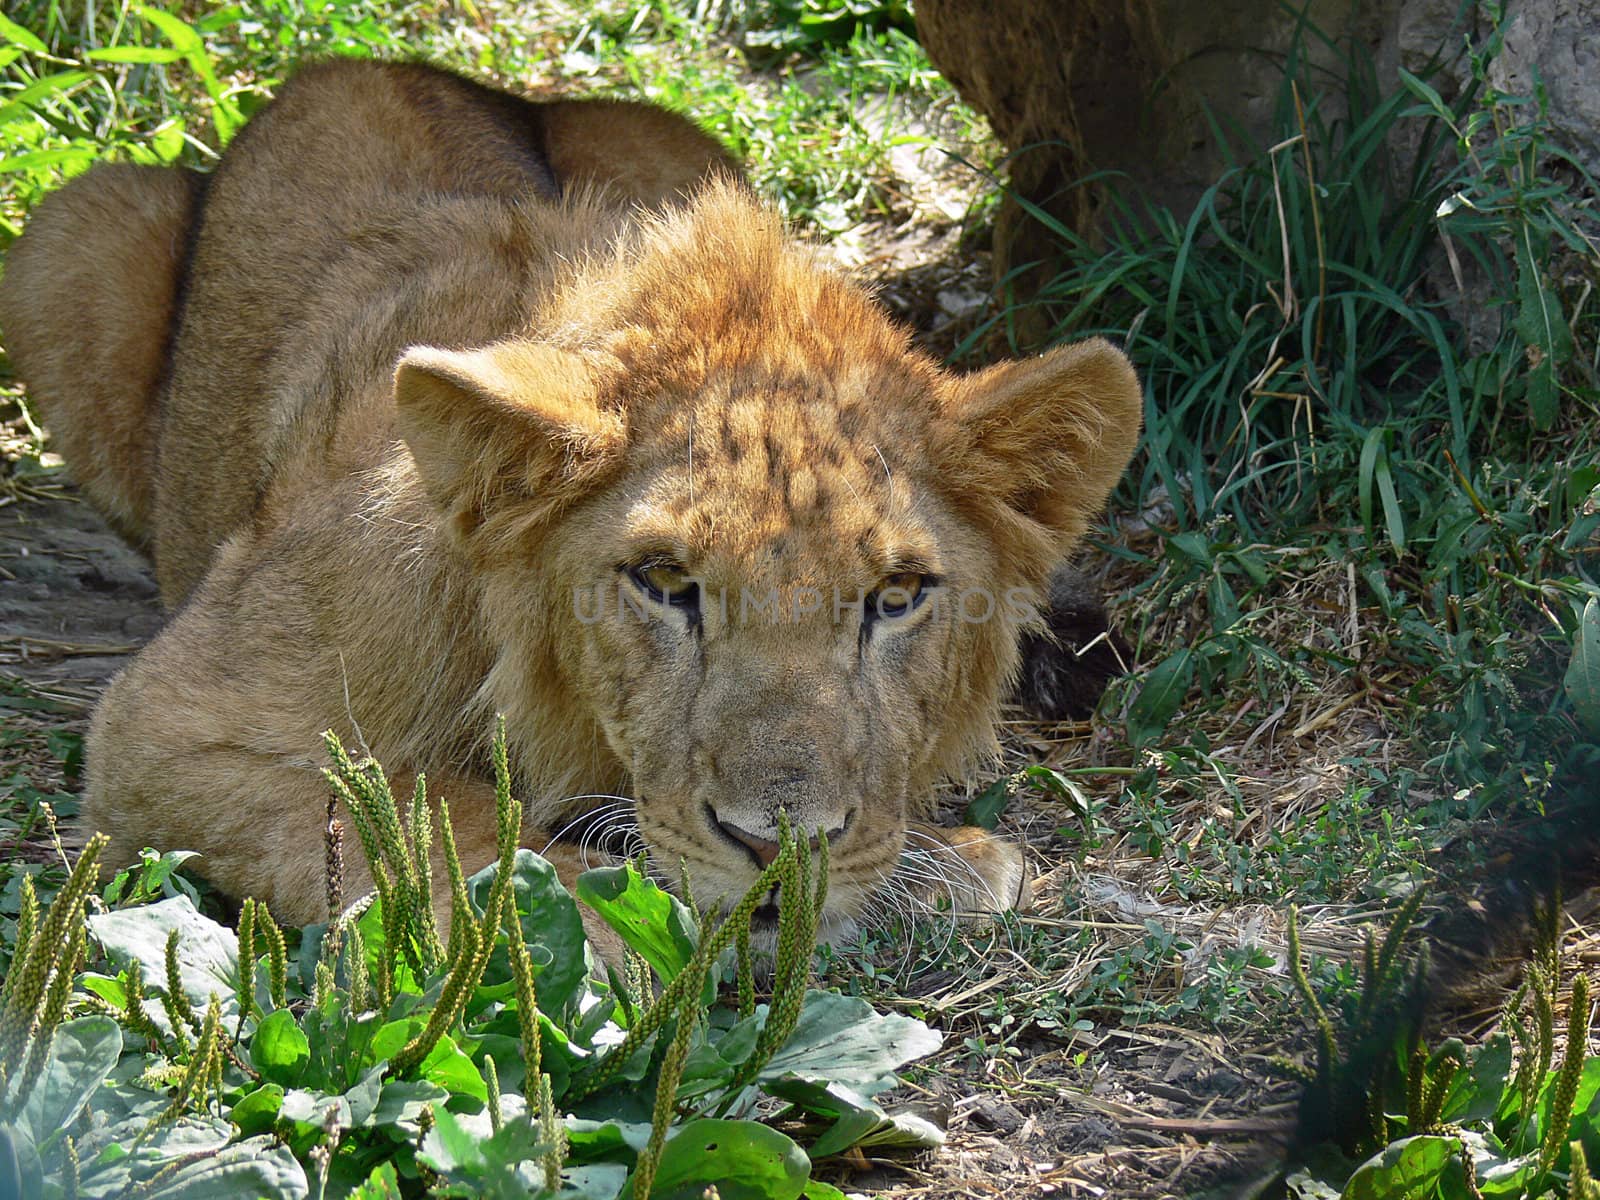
x: 979, y: 871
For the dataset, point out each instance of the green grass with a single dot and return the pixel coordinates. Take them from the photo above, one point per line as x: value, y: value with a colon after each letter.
x: 1321, y: 431
x: 814, y: 106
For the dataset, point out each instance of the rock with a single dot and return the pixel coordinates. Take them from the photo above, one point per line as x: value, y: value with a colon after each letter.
x: 1558, y: 41
x: 1138, y: 87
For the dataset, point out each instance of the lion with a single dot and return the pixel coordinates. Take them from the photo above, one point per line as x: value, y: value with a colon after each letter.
x: 432, y: 403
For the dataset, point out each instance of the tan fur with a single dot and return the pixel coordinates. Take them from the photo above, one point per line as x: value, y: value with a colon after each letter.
x: 101, y: 258
x: 582, y: 386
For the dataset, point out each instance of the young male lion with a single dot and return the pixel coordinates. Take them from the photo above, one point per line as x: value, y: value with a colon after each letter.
x: 431, y: 403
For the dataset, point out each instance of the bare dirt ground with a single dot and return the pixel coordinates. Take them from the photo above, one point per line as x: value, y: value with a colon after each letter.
x: 75, y: 600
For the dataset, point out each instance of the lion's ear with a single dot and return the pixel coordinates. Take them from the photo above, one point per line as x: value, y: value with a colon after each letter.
x: 513, y: 422
x: 1047, y: 437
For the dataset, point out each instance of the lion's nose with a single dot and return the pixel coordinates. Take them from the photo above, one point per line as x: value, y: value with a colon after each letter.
x: 761, y: 849
x: 764, y: 849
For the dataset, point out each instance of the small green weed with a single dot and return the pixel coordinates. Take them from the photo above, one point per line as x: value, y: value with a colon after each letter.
x: 1384, y: 1117
x: 397, y: 1059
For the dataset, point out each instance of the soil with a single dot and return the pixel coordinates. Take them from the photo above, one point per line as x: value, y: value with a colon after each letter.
x: 75, y: 599
x: 1167, y: 1113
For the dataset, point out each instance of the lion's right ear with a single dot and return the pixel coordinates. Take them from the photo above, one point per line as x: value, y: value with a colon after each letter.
x: 514, y: 422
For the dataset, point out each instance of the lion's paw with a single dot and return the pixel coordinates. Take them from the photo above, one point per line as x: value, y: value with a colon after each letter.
x: 976, y: 869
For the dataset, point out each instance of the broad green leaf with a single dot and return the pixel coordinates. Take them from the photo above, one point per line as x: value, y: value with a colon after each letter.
x: 449, y: 1146
x: 1582, y: 681
x: 1303, y: 1185
x: 1583, y: 1097
x: 1543, y: 330
x: 382, y: 1184
x: 258, y: 1111
x: 1404, y: 1170
x: 986, y: 808
x: 134, y: 1159
x: 741, y: 1159
x: 364, y: 1096
x: 599, y: 1180
x: 1163, y: 690
x: 254, y: 1169
x: 1374, y: 476
x: 1475, y: 1093
x: 386, y: 1043
x: 279, y: 1049
x: 1428, y: 94
x: 1582, y: 483
x: 82, y: 1054
x: 502, y: 1040
x: 1050, y: 782
x: 18, y: 36
x: 208, y: 954
x: 503, y: 1165
x: 651, y: 920
x: 1502, y: 1178
x: 1192, y: 546
x: 452, y: 1070
x: 712, y: 1062
x: 857, y: 1121
x: 167, y: 142
x: 1393, y: 521
x: 551, y: 927
x: 370, y: 923
x: 1223, y: 604
x: 112, y: 990
x: 840, y: 1039
x: 21, y: 1173
x: 401, y: 1102
x: 816, y: 1189
x: 316, y: 1108
x: 606, y: 1141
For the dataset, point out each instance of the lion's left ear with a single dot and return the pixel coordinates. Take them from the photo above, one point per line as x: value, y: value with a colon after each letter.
x: 1048, y: 437
x: 514, y: 422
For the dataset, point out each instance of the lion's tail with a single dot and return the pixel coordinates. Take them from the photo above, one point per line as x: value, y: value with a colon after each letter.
x: 87, y: 304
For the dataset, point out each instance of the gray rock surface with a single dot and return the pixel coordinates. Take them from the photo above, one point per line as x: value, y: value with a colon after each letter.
x: 1140, y: 87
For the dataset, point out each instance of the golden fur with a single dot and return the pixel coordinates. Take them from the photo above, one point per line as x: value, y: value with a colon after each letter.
x: 610, y: 361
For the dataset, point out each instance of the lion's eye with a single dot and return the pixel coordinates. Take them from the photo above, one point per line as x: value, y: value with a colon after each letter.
x: 897, y: 594
x: 665, y: 582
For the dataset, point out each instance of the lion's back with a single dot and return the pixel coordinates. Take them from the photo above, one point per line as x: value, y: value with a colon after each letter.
x: 371, y: 207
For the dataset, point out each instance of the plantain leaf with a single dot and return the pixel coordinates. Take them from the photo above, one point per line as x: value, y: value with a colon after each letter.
x: 739, y: 1159
x: 1542, y: 328
x: 1157, y: 702
x: 1583, y: 673
x: 653, y: 922
x: 82, y: 1055
x: 208, y: 953
x: 1403, y: 1170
